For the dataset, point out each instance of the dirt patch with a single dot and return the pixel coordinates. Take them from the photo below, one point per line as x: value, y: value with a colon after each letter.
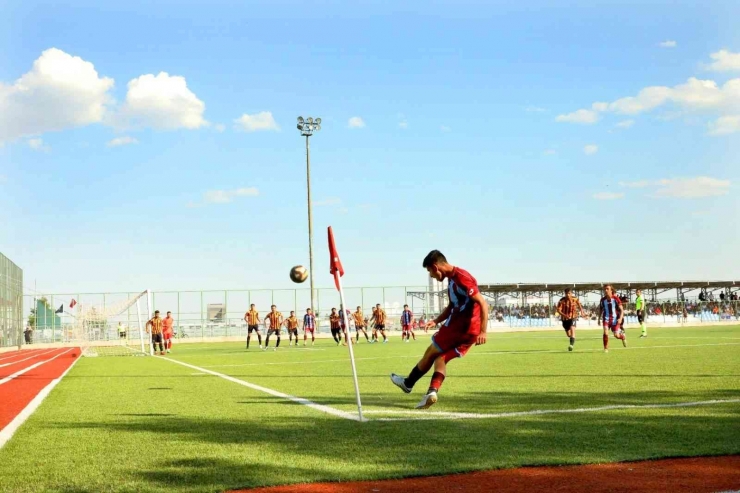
x: 696, y: 474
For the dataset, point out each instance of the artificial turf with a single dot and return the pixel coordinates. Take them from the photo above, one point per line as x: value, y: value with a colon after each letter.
x: 143, y: 424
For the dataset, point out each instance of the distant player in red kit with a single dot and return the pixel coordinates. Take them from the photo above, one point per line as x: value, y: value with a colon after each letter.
x: 611, y: 316
x: 464, y: 324
x: 407, y: 324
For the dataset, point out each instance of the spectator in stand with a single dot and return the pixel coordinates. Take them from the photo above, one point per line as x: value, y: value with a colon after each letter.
x: 28, y: 333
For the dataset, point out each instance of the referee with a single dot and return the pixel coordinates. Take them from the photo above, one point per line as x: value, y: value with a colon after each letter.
x: 640, y: 309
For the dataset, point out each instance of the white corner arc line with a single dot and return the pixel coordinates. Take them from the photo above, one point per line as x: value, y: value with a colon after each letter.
x: 421, y: 415
x: 259, y: 388
x: 10, y: 429
x: 29, y: 368
x: 24, y: 359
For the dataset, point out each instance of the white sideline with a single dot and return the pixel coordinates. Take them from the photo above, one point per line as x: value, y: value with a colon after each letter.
x: 29, y: 368
x: 480, y: 353
x: 24, y: 359
x: 10, y: 429
x: 298, y: 400
x: 422, y: 415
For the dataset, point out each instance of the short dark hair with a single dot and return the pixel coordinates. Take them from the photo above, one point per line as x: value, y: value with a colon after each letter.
x: 405, y: 306
x: 434, y: 257
x: 156, y: 311
x: 568, y: 290
x: 273, y: 306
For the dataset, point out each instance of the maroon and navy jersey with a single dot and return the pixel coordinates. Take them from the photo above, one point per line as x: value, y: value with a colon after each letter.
x: 341, y: 317
x: 610, y: 309
x: 406, y: 317
x: 465, y: 312
x: 309, y: 321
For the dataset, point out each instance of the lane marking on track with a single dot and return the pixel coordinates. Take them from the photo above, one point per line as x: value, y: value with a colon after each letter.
x: 29, y: 357
x: 426, y: 415
x: 10, y: 429
x: 478, y: 353
x: 29, y: 368
x: 15, y: 354
x: 275, y: 393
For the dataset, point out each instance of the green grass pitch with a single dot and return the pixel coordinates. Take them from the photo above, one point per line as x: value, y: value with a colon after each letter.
x: 144, y: 424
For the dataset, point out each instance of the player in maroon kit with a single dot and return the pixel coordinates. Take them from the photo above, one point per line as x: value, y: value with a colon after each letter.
x: 464, y: 324
x: 611, y: 316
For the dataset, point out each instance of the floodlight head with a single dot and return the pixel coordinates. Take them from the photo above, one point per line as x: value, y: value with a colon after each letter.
x: 309, y: 120
x: 299, y: 126
x: 318, y: 121
x: 300, y: 119
x: 318, y: 127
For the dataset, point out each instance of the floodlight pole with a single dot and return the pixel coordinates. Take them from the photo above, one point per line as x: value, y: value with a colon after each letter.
x: 307, y: 127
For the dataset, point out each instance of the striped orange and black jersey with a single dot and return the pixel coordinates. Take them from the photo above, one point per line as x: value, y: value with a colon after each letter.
x: 292, y: 322
x: 334, y: 320
x: 359, y: 319
x: 379, y: 317
x: 156, y: 325
x: 275, y: 319
x: 253, y: 317
x: 569, y: 308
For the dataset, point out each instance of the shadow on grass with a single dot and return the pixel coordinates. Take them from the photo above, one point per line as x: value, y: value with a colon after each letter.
x: 217, y: 454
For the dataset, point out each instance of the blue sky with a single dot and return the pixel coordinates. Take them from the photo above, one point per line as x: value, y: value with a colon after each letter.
x: 450, y: 125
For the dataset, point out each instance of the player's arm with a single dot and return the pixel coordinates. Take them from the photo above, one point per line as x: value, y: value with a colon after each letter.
x: 620, y: 313
x: 442, y: 317
x: 149, y: 324
x: 557, y: 309
x: 478, y: 298
x: 601, y: 313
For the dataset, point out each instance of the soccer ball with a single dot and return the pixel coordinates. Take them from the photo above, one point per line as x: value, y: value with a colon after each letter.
x: 298, y: 274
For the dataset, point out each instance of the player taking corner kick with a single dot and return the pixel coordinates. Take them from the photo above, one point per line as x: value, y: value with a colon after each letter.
x: 464, y: 324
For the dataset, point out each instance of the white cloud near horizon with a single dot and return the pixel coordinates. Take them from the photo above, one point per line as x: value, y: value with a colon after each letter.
x: 608, y: 196
x: 38, y: 145
x: 668, y: 43
x: 60, y: 91
x: 634, y: 184
x: 725, y: 125
x: 122, y: 141
x: 583, y: 117
x: 327, y: 201
x: 226, y: 196
x: 691, y: 188
x: 590, y: 149
x: 262, y: 121
x: 724, y: 61
x: 356, y: 122
x: 625, y: 124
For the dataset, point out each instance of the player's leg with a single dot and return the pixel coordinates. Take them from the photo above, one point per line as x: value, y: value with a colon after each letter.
x: 365, y: 332
x: 259, y: 336
x: 249, y: 335
x: 641, y: 319
x: 382, y: 332
x: 572, y: 334
x: 605, y: 337
x: 412, y: 334
x: 277, y: 345
x: 619, y: 333
x: 267, y: 338
x: 419, y: 370
x: 161, y: 344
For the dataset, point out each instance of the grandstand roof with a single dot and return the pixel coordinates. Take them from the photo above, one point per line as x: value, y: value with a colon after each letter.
x: 597, y: 286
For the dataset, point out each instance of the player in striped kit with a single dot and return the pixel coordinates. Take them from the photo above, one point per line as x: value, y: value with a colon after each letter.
x: 276, y: 320
x: 407, y: 321
x: 291, y: 323
x: 611, y: 315
x: 360, y: 324
x: 309, y: 325
x: 252, y: 317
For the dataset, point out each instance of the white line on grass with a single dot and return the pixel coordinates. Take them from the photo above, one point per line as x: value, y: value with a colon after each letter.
x: 29, y: 368
x: 8, y: 432
x: 422, y: 415
x: 24, y: 359
x: 476, y: 353
x: 298, y: 400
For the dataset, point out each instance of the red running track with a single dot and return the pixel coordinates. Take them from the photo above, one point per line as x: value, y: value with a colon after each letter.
x: 17, y: 392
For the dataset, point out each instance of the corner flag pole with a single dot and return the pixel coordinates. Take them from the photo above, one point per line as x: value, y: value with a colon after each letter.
x: 337, y: 271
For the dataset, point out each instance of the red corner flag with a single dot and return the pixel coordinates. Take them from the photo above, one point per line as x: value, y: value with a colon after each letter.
x: 72, y: 303
x: 336, y: 268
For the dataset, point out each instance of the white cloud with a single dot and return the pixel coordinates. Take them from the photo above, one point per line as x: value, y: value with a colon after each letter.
x: 669, y: 43
x: 585, y: 117
x: 258, y: 122
x: 549, y: 152
x: 445, y: 128
x: 122, y: 141
x: 691, y: 188
x: 403, y: 124
x: 219, y: 127
x: 590, y: 149
x: 38, y: 145
x: 356, y: 122
x: 328, y: 201
x: 625, y: 124
x: 162, y: 102
x: 724, y: 61
x: 634, y: 184
x: 226, y: 196
x: 608, y: 196
x: 534, y: 109
x: 725, y: 125
x: 60, y: 91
